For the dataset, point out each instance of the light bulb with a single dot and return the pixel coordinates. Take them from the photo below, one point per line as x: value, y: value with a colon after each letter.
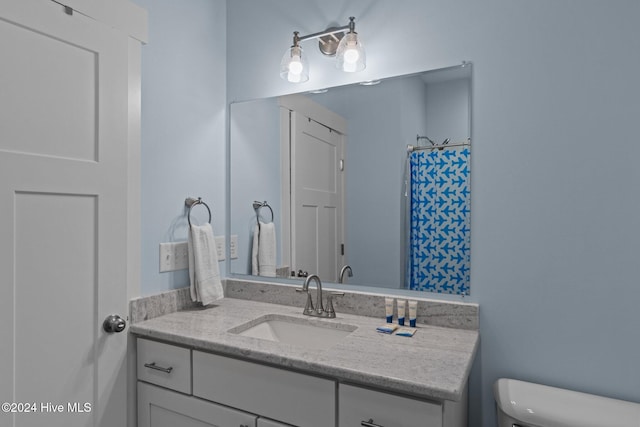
x: 351, y: 55
x: 349, y: 67
x: 295, y: 66
x: 294, y: 77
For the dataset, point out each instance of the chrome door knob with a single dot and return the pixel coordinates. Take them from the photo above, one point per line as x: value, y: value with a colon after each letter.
x: 114, y: 323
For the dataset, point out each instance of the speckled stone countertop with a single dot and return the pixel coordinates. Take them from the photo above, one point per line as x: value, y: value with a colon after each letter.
x: 433, y: 364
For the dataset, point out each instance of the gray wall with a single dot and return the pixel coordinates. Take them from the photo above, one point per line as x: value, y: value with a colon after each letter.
x: 381, y: 121
x: 555, y: 212
x: 255, y: 174
x: 183, y: 127
x: 448, y: 111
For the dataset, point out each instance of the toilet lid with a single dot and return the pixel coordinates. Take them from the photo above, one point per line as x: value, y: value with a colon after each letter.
x: 540, y: 405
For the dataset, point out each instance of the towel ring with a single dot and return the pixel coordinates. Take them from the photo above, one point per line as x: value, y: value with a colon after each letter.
x: 191, y: 202
x: 259, y: 205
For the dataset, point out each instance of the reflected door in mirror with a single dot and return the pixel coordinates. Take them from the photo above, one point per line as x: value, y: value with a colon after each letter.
x: 317, y: 214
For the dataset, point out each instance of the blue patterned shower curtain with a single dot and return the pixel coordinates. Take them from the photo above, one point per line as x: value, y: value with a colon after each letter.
x: 439, y: 234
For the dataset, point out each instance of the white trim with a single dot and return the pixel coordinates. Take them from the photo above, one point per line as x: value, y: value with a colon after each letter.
x: 321, y: 114
x: 133, y: 170
x: 134, y: 262
x: 121, y: 14
x: 285, y: 187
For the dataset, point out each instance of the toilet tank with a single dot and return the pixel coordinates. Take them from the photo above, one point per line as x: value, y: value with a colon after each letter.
x: 535, y: 405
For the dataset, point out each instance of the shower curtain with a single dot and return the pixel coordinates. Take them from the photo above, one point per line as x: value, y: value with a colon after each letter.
x: 439, y: 224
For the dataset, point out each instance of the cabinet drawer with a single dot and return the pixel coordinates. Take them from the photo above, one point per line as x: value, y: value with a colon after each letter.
x: 387, y: 410
x: 165, y: 365
x: 158, y: 407
x: 292, y: 398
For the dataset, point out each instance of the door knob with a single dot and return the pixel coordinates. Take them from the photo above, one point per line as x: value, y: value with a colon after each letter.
x: 114, y: 323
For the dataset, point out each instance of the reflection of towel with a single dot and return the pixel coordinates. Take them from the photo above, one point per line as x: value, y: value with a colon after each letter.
x: 204, y: 274
x: 263, y: 251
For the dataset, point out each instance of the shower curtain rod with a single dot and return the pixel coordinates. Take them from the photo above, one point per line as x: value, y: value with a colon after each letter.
x: 411, y: 148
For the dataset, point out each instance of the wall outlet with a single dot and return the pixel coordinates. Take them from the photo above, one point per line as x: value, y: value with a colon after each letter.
x: 221, y: 246
x: 220, y: 240
x: 234, y: 246
x: 173, y: 256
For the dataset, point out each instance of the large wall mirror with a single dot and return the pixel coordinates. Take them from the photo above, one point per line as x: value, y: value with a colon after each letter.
x: 375, y: 176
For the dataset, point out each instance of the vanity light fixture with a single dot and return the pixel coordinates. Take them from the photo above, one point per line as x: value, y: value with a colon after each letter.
x: 341, y: 42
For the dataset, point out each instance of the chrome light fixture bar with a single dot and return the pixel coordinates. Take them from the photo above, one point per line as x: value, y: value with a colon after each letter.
x: 342, y: 42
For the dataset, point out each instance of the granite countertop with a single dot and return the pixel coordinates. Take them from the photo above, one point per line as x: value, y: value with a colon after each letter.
x: 433, y: 364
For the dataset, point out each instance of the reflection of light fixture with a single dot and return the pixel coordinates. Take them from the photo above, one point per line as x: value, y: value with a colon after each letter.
x: 342, y: 42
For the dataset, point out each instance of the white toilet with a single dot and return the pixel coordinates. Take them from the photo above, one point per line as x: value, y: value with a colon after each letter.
x: 526, y: 404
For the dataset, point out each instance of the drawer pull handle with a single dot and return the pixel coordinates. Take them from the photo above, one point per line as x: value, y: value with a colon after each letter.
x: 369, y: 423
x: 158, y: 368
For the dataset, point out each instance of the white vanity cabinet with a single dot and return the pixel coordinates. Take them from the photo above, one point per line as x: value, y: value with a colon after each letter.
x: 198, y: 389
x: 363, y: 407
x: 159, y: 407
x: 170, y: 405
x: 178, y: 386
x: 165, y: 365
x: 278, y: 394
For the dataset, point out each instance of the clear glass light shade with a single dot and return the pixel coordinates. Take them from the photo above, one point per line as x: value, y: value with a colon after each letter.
x: 350, y: 56
x: 294, y: 66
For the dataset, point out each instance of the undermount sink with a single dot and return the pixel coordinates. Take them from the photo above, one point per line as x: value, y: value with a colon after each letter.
x: 309, y: 333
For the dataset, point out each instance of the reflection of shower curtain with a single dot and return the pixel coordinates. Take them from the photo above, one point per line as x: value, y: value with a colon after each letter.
x: 439, y: 235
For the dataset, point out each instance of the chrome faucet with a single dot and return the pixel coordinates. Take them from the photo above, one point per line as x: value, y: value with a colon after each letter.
x: 344, y: 269
x: 305, y: 288
x: 309, y: 310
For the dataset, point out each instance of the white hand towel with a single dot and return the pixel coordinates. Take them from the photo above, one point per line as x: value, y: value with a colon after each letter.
x: 204, y: 274
x: 255, y: 269
x: 263, y: 251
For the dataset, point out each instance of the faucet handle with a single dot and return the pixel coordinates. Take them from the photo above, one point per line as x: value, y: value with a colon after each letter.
x: 330, y: 310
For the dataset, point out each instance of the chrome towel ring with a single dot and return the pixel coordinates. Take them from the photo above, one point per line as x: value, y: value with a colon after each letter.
x: 192, y: 203
x: 259, y: 205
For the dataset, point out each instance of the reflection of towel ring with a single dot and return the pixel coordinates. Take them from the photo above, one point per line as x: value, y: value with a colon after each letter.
x: 257, y: 206
x: 191, y: 202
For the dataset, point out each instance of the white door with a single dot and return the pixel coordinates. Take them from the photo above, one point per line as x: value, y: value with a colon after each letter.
x: 63, y: 207
x: 317, y: 215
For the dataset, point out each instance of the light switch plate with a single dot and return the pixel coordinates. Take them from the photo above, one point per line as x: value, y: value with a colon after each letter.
x: 220, y: 240
x: 234, y: 246
x: 173, y: 256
